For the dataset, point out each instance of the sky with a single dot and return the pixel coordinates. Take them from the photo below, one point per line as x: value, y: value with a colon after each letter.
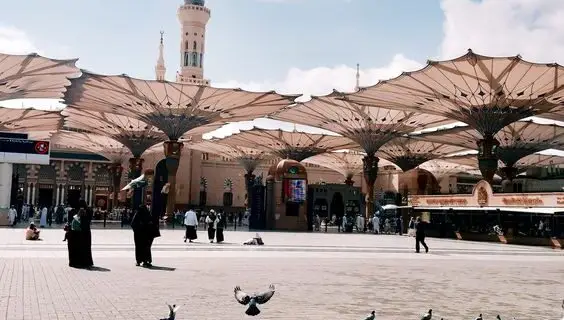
x: 292, y: 46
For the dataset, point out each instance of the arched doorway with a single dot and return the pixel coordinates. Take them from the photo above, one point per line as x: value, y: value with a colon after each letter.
x: 46, y: 186
x: 337, y: 205
x: 158, y: 205
x: 75, y: 182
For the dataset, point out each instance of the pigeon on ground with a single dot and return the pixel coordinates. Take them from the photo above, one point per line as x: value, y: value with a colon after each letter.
x: 253, y: 300
x: 372, y: 316
x: 479, y: 317
x: 171, y: 312
x: 428, y: 315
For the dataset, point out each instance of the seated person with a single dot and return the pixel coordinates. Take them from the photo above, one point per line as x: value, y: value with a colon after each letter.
x: 32, y: 233
x: 256, y: 241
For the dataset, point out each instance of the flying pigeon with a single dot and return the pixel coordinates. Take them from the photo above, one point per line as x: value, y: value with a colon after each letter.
x: 428, y: 315
x: 498, y: 317
x: 253, y: 300
x: 172, y: 310
x: 372, y: 316
x: 136, y: 183
x: 479, y: 317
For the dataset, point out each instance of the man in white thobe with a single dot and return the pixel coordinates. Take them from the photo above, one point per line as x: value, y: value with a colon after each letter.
x: 43, y: 219
x: 376, y: 223
x: 12, y: 215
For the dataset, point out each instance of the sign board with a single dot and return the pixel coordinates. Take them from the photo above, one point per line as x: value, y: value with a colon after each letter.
x: 24, y: 151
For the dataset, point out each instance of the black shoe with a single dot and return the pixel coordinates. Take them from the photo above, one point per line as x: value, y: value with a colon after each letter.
x: 185, y: 240
x: 426, y: 250
x: 147, y: 264
x: 137, y: 264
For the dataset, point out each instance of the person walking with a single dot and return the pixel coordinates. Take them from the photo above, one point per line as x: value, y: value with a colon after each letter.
x: 211, y: 222
x: 420, y: 235
x: 376, y: 223
x: 220, y: 226
x: 411, y: 227
x: 141, y: 234
x: 191, y: 224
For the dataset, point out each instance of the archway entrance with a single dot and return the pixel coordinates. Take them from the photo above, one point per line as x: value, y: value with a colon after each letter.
x: 158, y: 205
x: 75, y: 180
x: 46, y: 186
x: 337, y: 205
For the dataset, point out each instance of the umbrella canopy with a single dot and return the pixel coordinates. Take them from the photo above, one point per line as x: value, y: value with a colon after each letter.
x: 293, y: 145
x: 174, y: 108
x: 34, y: 76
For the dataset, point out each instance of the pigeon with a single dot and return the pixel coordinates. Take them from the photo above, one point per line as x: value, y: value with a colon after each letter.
x: 498, y: 317
x: 428, y: 315
x: 253, y: 300
x: 172, y: 310
x: 479, y: 317
x: 372, y: 316
x: 135, y: 183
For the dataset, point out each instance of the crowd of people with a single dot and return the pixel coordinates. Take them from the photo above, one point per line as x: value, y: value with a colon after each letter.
x: 215, y: 223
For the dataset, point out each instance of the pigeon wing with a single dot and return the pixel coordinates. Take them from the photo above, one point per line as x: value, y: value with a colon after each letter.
x: 241, y: 296
x: 265, y: 296
x: 175, y: 310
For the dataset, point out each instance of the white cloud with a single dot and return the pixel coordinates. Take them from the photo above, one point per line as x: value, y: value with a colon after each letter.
x: 15, y: 41
x: 532, y: 28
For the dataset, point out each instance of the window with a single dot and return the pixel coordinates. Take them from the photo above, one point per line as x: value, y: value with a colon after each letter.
x: 194, y: 59
x: 195, y: 46
x: 201, y: 60
x: 205, y: 156
x: 186, y: 45
x: 186, y: 59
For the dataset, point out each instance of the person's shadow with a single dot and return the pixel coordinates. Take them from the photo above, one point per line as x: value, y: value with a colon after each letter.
x: 160, y: 268
x: 98, y: 269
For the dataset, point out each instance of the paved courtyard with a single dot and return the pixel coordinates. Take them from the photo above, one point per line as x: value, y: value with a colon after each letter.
x: 318, y: 276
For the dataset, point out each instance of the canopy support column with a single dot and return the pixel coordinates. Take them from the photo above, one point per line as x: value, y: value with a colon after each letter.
x: 135, y: 170
x: 249, y: 184
x: 116, y: 171
x: 487, y: 157
x: 370, y: 170
x: 173, y: 151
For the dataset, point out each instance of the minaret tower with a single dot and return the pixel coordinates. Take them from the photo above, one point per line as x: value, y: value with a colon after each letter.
x: 160, y: 69
x: 357, y: 87
x: 193, y: 17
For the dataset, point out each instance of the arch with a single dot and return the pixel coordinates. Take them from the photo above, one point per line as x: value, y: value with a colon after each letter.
x: 75, y: 173
x: 195, y: 46
x: 186, y: 47
x: 158, y: 203
x: 337, y: 207
x: 194, y: 59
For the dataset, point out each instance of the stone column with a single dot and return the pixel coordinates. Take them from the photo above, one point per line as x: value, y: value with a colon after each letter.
x: 35, y: 187
x: 90, y: 189
x: 63, y: 187
x: 370, y: 171
x: 57, y: 194
x: 135, y: 170
x: 6, y: 171
x: 28, y: 194
x: 487, y: 157
x: 249, y: 183
x: 116, y: 171
x: 173, y: 151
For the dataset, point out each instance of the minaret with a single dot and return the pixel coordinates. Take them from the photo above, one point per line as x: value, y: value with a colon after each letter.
x: 357, y: 87
x: 160, y: 69
x: 193, y: 17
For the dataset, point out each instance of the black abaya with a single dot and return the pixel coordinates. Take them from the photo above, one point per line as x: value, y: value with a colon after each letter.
x: 211, y: 233
x: 219, y: 235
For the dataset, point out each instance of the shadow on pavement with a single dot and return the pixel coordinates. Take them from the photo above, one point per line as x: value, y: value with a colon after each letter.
x: 159, y: 268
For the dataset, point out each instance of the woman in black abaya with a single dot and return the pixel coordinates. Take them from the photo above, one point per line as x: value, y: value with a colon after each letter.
x: 85, y: 235
x: 221, y: 222
x: 142, y: 226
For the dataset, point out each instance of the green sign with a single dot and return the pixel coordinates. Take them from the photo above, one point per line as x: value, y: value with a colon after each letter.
x: 293, y: 170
